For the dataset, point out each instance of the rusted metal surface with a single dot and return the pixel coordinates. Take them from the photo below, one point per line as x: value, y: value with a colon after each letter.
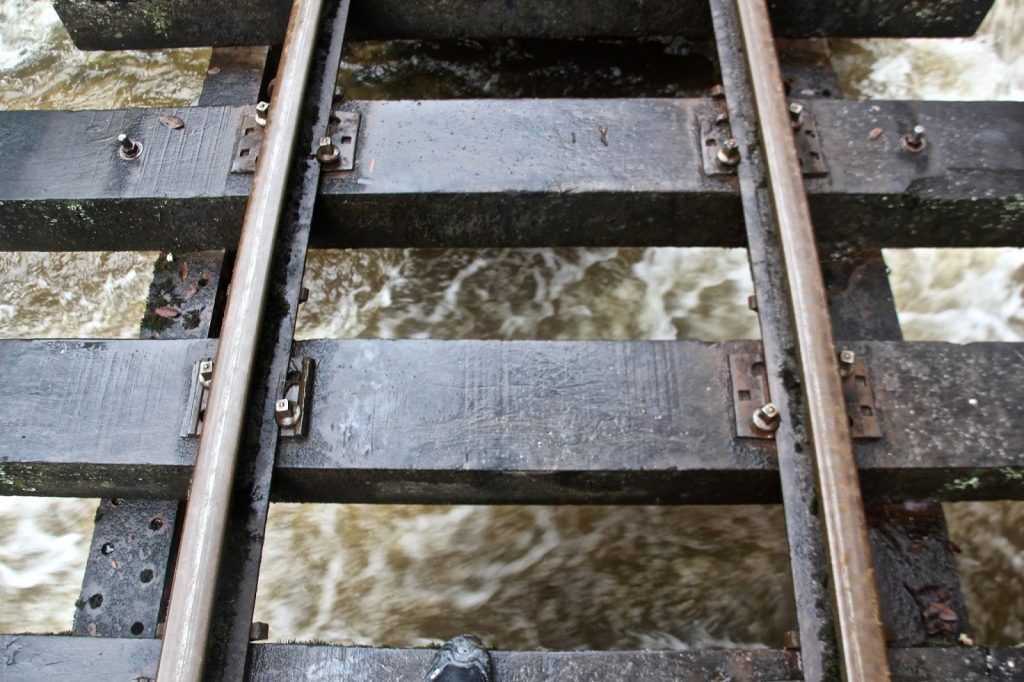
x: 858, y: 619
x: 803, y: 525
x: 190, y: 610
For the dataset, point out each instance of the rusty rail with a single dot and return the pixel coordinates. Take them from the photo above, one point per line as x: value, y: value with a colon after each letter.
x: 825, y: 516
x: 190, y: 611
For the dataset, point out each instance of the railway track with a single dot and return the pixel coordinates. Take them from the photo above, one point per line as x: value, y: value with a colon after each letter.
x: 830, y: 413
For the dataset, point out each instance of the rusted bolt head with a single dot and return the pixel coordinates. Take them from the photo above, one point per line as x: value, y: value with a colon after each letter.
x: 796, y: 113
x: 914, y: 141
x: 729, y: 153
x: 718, y: 91
x: 287, y: 413
x: 766, y: 417
x: 791, y: 640
x: 128, y: 148
x: 327, y: 152
x: 206, y: 373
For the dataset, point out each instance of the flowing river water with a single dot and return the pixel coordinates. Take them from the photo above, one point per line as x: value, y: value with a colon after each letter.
x: 521, y: 577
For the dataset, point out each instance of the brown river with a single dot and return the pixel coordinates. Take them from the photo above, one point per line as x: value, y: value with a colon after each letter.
x: 521, y: 577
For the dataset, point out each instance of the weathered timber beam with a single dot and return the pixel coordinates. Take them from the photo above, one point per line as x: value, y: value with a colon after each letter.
x: 491, y: 421
x: 130, y: 558
x: 152, y: 24
x: 478, y: 173
x: 50, y: 657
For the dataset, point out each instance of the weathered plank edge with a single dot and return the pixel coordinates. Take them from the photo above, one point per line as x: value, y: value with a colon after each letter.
x: 32, y: 657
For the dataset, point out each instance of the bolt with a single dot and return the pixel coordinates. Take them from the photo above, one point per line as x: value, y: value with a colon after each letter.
x: 721, y: 118
x: 752, y: 302
x: 128, y: 148
x: 303, y: 295
x: 287, y: 413
x: 766, y: 417
x: 796, y: 114
x: 262, y: 108
x: 718, y: 92
x: 327, y: 152
x: 846, y: 358
x: 914, y: 141
x: 206, y: 373
x: 791, y: 640
x: 729, y: 153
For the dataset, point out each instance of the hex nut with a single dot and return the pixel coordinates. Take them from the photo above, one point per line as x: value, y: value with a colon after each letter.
x: 914, y: 141
x: 796, y: 113
x: 262, y: 109
x: 128, y: 148
x: 287, y: 413
x: 766, y: 417
x: 729, y: 153
x: 327, y: 152
x: 206, y: 373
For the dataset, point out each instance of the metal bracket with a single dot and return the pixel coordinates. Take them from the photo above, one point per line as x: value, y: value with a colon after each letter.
x: 750, y: 391
x: 293, y: 411
x: 808, y: 146
x: 248, y: 148
x: 715, y: 130
x: 860, y: 400
x: 198, y: 395
x: 343, y: 129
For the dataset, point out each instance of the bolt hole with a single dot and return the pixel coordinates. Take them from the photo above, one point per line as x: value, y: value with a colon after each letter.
x: 137, y: 628
x: 346, y: 139
x: 146, y: 575
x: 117, y: 502
x: 850, y: 419
x: 744, y: 395
x: 826, y: 93
x: 809, y: 133
x: 249, y: 131
x: 96, y: 601
x: 244, y: 153
x: 156, y: 524
x: 107, y: 548
x: 711, y: 142
x: 861, y: 380
x: 866, y: 410
x: 202, y: 282
x: 815, y: 155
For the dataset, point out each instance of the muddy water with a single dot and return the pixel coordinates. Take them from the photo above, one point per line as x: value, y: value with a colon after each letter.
x: 519, y: 576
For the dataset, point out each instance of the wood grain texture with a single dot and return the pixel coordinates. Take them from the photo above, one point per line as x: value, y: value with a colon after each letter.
x: 504, y: 421
x: 148, y: 24
x: 30, y: 658
x: 550, y: 178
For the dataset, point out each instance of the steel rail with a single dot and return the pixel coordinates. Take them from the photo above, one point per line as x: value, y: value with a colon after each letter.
x: 855, y: 596
x: 189, y: 614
